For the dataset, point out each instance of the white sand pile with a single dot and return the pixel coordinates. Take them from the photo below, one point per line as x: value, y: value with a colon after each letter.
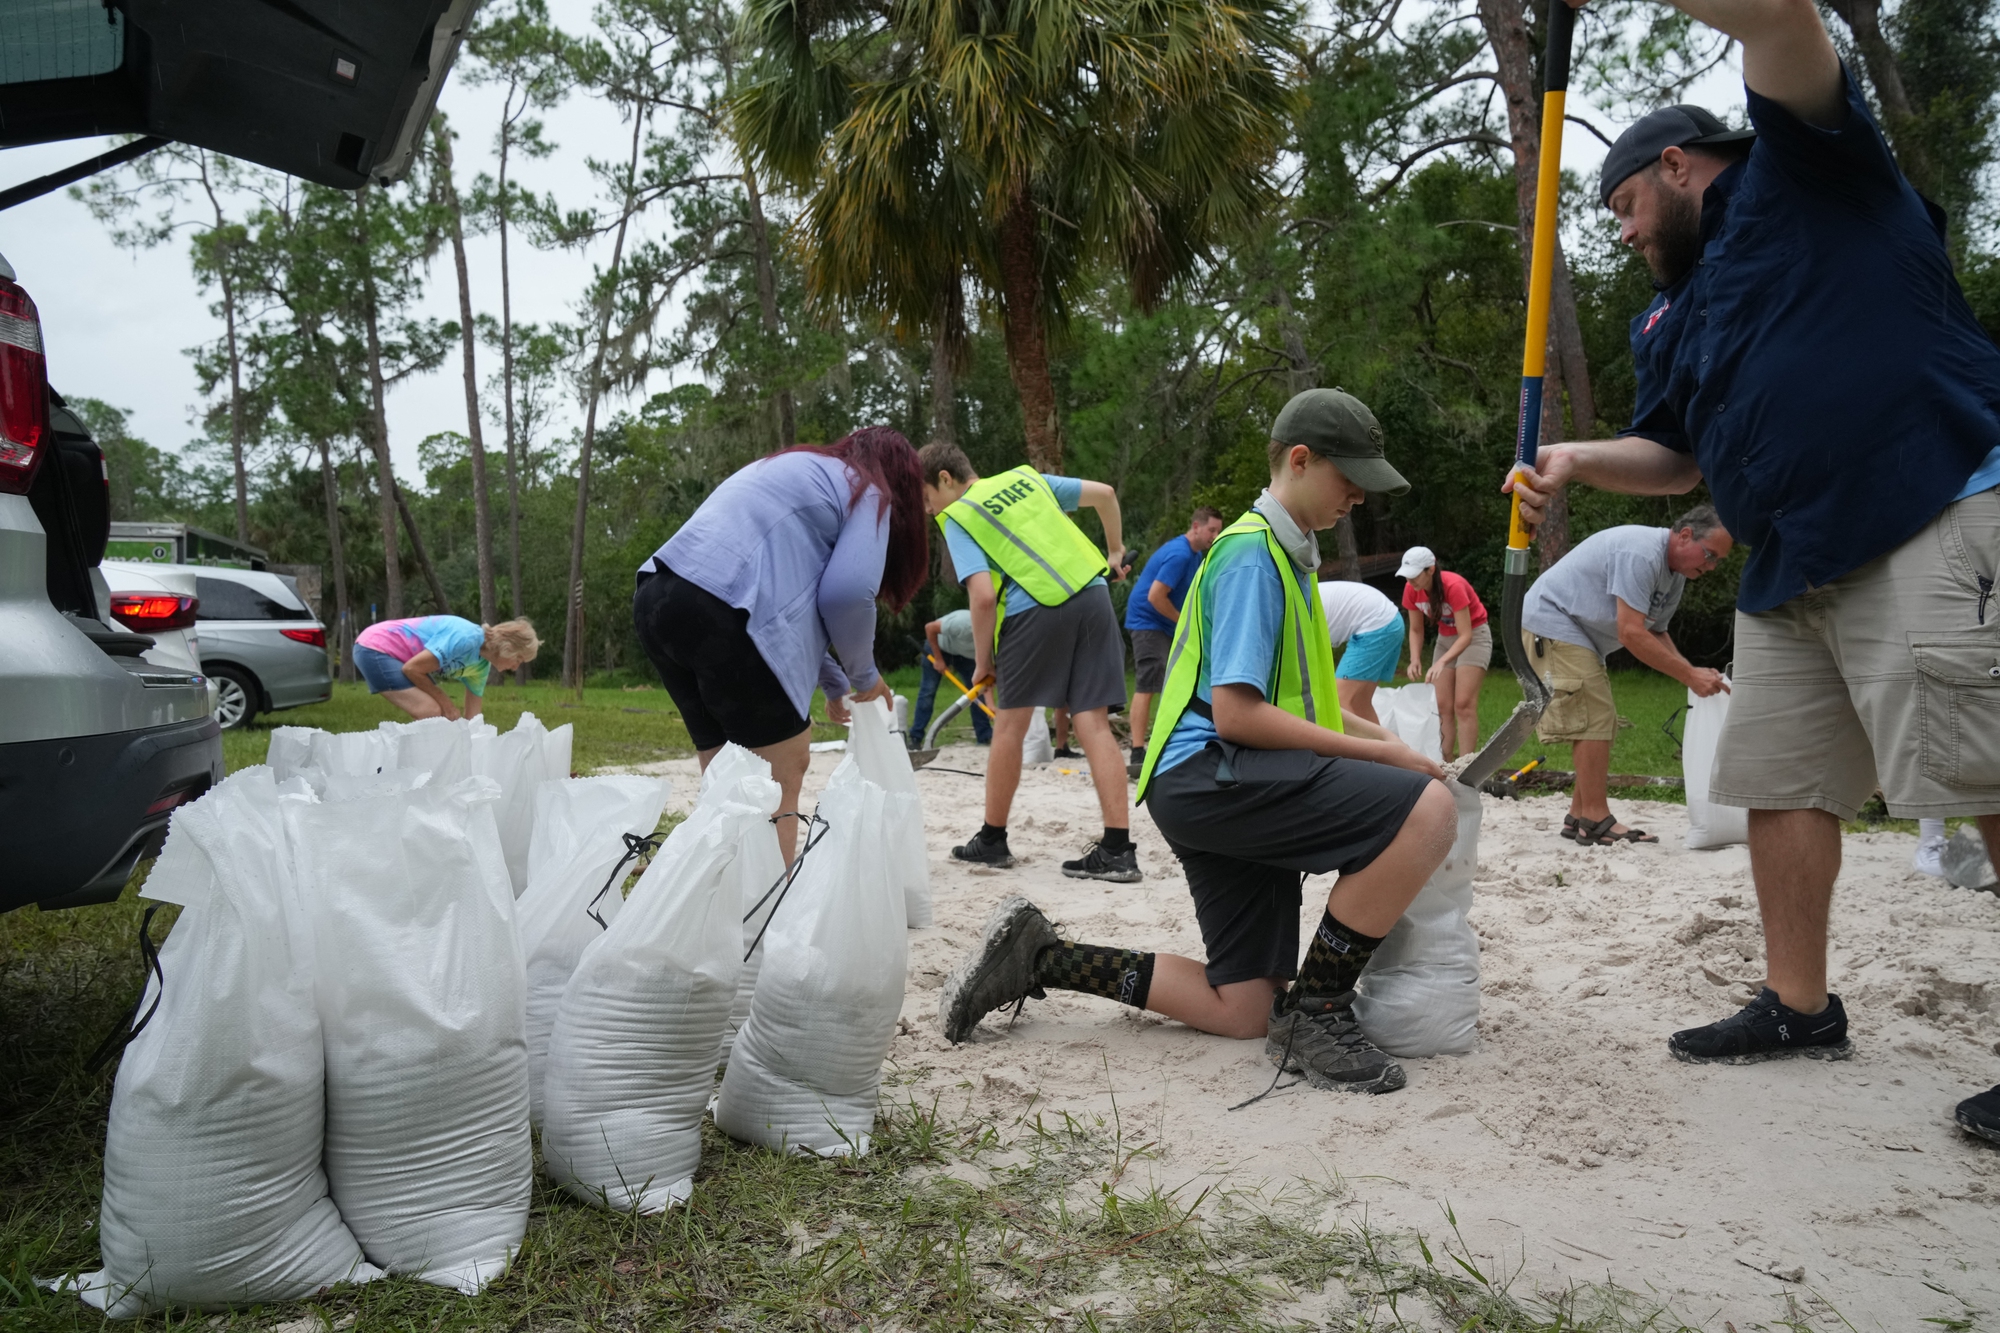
x: 1569, y: 1144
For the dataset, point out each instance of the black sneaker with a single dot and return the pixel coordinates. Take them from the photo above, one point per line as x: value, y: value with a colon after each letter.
x: 999, y: 971
x: 1319, y: 1038
x: 1980, y: 1114
x: 1118, y: 867
x: 1765, y: 1029
x: 1064, y: 752
x: 982, y: 852
x: 1137, y: 763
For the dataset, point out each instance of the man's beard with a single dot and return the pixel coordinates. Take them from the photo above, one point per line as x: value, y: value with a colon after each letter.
x: 1676, y: 242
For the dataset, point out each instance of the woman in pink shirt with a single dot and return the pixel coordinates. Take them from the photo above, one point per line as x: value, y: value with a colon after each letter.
x: 410, y: 661
x: 1465, y: 645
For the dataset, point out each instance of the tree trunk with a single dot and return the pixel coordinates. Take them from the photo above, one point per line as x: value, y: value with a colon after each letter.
x: 947, y: 351
x: 378, y: 422
x: 482, y: 513
x: 343, y: 618
x: 423, y: 556
x: 1027, y: 334
x: 573, y: 626
x: 1301, y: 374
x: 226, y: 277
x: 1864, y: 19
x: 507, y: 392
x: 767, y: 299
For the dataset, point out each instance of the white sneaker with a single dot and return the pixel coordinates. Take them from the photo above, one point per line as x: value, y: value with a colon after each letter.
x: 1929, y: 859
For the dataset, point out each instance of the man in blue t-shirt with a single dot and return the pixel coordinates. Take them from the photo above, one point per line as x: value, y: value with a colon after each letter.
x: 1150, y: 614
x: 1810, y: 357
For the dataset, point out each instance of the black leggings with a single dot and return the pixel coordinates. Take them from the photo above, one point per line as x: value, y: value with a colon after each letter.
x: 701, y: 647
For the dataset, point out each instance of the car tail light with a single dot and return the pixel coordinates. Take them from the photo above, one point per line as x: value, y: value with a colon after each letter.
x: 150, y: 611
x: 315, y: 638
x: 24, y: 389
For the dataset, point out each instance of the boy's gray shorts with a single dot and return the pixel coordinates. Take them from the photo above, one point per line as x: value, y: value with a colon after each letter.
x: 1070, y: 656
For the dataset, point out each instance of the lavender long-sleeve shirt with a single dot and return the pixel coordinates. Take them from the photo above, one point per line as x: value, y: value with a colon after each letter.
x: 780, y: 540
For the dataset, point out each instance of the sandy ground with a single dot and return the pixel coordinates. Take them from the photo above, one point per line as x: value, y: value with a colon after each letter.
x: 1570, y: 1146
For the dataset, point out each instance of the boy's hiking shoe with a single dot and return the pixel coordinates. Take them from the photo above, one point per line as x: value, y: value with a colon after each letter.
x: 1980, y: 1115
x: 1319, y: 1038
x: 999, y: 971
x: 982, y: 852
x: 1096, y: 863
x: 1064, y: 752
x: 1765, y: 1029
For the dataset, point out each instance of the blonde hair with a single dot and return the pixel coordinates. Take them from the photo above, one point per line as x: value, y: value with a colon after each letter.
x: 514, y: 639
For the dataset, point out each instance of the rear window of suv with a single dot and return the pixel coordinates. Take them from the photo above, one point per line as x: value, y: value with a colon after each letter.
x: 59, y: 39
x: 225, y: 599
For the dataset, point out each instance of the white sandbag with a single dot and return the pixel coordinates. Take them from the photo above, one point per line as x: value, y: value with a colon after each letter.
x: 1709, y: 824
x: 521, y: 760
x: 885, y: 761
x: 420, y: 1000
x: 214, y: 1194
x: 806, y: 1070
x: 577, y: 847
x: 1412, y: 714
x: 350, y: 754
x: 757, y: 871
x: 434, y: 745
x: 1420, y: 992
x: 640, y: 1028
x: 1036, y: 747
x: 290, y: 751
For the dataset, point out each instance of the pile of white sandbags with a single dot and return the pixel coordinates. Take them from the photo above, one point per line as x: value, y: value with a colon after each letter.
x: 806, y: 1069
x: 1420, y: 992
x: 578, y: 858
x: 214, y: 1194
x: 641, y: 1025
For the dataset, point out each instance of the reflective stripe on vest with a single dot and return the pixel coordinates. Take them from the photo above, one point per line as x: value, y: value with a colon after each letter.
x: 1301, y: 678
x: 1018, y: 524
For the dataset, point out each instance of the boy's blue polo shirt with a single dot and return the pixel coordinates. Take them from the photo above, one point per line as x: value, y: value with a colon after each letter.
x: 1820, y: 362
x: 1173, y: 564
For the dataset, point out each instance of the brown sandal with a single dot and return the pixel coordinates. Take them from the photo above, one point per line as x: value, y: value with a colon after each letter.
x: 1598, y: 833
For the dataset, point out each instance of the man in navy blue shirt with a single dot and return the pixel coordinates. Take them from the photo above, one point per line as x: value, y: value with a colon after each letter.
x: 1810, y: 357
x: 1151, y: 613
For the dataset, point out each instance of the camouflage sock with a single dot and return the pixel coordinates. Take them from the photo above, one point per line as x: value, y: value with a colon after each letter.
x: 1124, y: 975
x: 1334, y: 960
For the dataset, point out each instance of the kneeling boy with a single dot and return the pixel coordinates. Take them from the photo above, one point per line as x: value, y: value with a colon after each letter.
x: 1256, y: 784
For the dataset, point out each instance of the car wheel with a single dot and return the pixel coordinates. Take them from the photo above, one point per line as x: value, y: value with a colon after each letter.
x: 235, y: 698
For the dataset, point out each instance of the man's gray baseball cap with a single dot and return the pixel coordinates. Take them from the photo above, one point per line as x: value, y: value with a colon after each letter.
x: 1639, y: 147
x: 1339, y: 427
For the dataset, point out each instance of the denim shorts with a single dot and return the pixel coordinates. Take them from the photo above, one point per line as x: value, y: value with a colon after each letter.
x: 381, y: 671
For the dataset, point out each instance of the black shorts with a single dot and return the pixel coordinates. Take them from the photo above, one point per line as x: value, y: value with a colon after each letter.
x: 1247, y: 834
x: 1068, y: 656
x: 1149, y: 660
x: 701, y: 647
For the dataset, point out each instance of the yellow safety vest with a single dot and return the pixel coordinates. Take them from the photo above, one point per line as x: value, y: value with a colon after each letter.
x: 1301, y: 680
x: 1015, y: 519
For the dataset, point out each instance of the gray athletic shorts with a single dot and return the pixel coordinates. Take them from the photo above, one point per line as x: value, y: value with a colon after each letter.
x: 1890, y: 674
x: 1070, y: 656
x: 1149, y: 659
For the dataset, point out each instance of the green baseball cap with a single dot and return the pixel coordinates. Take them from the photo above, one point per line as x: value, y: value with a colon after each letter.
x: 1338, y: 426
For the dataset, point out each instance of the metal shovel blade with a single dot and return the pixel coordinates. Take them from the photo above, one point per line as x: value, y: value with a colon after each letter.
x: 918, y: 758
x: 1520, y: 724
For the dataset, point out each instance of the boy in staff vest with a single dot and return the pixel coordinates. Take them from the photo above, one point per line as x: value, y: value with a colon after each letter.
x: 1260, y: 781
x: 1043, y: 630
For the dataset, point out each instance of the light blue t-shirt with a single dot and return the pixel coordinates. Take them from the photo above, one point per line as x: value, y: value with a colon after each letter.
x: 1242, y: 619
x: 955, y: 633
x: 967, y: 558
x: 1985, y: 477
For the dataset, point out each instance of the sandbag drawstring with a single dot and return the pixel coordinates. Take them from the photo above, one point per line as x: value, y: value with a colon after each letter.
x: 815, y: 831
x: 116, y: 1040
x: 634, y: 847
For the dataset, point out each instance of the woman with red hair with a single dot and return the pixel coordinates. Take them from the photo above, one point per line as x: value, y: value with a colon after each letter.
x: 769, y: 591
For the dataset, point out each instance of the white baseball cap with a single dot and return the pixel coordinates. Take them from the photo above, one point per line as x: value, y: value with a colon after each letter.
x: 1415, y: 561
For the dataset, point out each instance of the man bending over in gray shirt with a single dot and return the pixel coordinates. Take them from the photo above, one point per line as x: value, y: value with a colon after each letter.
x: 1616, y: 589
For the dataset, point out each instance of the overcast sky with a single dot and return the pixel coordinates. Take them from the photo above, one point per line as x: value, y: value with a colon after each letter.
x: 116, y: 324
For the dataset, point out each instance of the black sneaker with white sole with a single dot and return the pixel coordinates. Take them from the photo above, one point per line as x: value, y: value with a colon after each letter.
x: 999, y: 971
x: 1318, y: 1037
x: 1096, y: 863
x: 1980, y: 1114
x: 1766, y: 1029
x: 982, y: 851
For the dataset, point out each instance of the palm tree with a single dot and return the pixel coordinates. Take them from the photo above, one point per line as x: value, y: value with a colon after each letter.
x: 1024, y: 143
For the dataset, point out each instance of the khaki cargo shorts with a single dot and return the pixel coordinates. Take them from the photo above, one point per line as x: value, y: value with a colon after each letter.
x: 1890, y: 674
x: 1580, y: 706
x: 1478, y: 648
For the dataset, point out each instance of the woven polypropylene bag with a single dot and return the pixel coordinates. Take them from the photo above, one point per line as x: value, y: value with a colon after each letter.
x: 1709, y: 824
x: 1420, y: 992
x: 214, y: 1194
x: 885, y: 761
x: 577, y: 850
x: 419, y: 983
x: 640, y: 1029
x: 758, y: 869
x: 521, y: 760
x: 806, y: 1070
